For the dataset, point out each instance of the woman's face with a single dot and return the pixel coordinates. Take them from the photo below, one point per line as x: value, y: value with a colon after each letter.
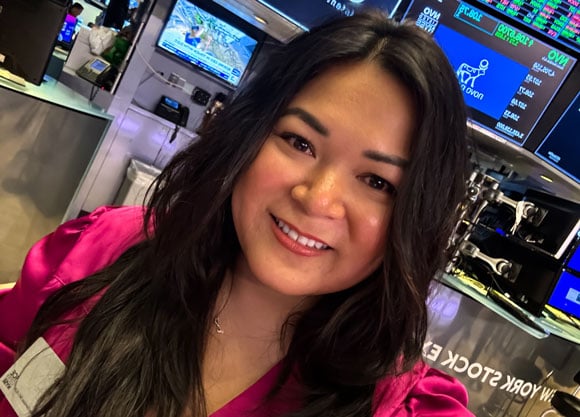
x: 312, y: 211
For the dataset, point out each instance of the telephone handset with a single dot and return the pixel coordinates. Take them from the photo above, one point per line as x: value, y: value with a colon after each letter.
x: 95, y: 71
x: 184, y: 116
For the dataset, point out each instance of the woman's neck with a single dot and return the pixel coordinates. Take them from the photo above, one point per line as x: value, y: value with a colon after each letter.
x: 250, y: 317
x: 247, y: 308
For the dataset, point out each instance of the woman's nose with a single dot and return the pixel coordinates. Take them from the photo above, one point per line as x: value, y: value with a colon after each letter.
x: 321, y: 194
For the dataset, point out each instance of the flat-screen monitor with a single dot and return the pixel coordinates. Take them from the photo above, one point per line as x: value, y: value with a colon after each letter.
x: 561, y: 146
x: 308, y: 14
x: 508, y: 76
x: 573, y: 262
x: 208, y: 42
x: 559, y: 19
x: 28, y: 33
x: 566, y: 294
x: 65, y: 36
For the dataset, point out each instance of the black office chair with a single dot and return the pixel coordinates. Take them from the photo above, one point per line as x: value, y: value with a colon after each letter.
x: 568, y: 405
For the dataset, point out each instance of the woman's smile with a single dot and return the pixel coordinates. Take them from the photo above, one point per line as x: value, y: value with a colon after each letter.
x: 297, y: 241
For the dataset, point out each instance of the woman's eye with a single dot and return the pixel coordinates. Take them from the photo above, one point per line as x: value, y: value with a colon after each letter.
x: 380, y: 184
x: 298, y: 143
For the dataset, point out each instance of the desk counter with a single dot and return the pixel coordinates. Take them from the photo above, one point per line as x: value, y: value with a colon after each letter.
x: 49, y: 134
x: 53, y: 92
x: 508, y: 367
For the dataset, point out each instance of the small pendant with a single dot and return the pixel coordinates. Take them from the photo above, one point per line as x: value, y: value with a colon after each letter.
x: 219, y: 329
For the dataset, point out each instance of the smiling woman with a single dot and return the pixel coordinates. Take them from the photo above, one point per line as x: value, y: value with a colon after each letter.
x: 284, y: 262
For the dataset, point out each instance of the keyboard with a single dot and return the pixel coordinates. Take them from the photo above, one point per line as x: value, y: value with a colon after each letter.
x: 4, y: 73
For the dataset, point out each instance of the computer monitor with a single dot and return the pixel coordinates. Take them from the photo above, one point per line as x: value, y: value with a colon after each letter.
x: 28, y: 34
x: 65, y: 36
x: 566, y: 294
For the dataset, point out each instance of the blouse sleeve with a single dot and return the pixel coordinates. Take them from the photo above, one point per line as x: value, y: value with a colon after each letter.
x: 436, y: 395
x: 421, y: 392
x: 73, y: 251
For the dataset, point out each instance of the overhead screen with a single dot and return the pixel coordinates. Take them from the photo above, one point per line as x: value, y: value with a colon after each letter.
x: 310, y: 13
x: 508, y: 77
x: 559, y: 19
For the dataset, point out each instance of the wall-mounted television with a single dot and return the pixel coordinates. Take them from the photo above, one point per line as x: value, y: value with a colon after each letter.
x: 307, y: 14
x: 508, y: 76
x: 199, y: 36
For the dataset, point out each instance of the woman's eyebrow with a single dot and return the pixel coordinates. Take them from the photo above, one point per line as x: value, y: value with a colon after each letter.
x: 307, y: 118
x: 386, y: 158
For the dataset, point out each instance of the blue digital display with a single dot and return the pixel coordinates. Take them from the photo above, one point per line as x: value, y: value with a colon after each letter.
x: 68, y: 29
x: 566, y: 294
x: 172, y: 103
x: 488, y: 79
x: 508, y: 76
x: 98, y: 65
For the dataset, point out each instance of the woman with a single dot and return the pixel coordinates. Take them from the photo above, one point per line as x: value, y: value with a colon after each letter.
x: 288, y: 253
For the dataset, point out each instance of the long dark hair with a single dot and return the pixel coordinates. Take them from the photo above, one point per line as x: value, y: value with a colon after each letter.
x: 140, y: 347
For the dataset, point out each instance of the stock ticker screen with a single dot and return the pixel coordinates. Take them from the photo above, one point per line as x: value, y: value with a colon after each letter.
x: 559, y: 19
x: 508, y: 76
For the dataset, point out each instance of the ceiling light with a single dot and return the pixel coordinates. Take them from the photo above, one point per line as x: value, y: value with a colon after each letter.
x: 546, y: 178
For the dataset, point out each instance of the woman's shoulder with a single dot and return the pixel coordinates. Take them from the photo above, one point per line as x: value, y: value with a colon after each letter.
x: 75, y: 250
x: 84, y: 245
x: 422, y: 391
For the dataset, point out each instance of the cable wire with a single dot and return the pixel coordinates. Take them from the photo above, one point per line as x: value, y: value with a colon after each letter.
x: 154, y: 71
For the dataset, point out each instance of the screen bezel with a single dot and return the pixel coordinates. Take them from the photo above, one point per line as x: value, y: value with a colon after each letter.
x: 228, y: 18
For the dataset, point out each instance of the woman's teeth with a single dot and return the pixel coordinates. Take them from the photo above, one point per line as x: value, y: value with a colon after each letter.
x: 303, y: 240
